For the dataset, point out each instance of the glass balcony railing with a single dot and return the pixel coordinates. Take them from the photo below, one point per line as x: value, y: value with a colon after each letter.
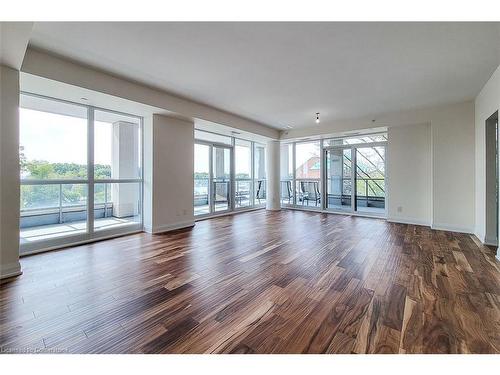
x: 54, y: 208
x: 246, y: 193
x: 370, y: 192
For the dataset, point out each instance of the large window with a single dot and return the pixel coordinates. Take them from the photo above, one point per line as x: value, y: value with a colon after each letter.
x: 229, y: 173
x: 67, y: 194
x: 117, y: 170
x: 202, y: 178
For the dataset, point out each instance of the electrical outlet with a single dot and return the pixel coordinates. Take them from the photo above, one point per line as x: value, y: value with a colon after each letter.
x: 400, y: 208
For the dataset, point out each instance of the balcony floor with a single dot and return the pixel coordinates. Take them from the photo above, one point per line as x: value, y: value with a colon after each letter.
x: 45, y: 232
x: 205, y: 209
x: 219, y: 207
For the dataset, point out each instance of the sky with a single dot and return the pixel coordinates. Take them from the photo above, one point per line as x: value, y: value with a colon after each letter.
x: 62, y: 139
x: 242, y: 159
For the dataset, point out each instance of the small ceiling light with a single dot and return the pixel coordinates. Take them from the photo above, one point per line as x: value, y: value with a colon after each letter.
x: 317, y: 117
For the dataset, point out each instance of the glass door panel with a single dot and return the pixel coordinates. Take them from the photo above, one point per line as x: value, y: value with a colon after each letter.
x: 201, y: 179
x: 116, y: 205
x: 338, y: 179
x: 260, y: 186
x: 221, y: 184
x: 370, y: 179
x: 243, y: 173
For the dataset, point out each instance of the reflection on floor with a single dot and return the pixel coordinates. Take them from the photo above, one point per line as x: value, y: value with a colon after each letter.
x: 45, y: 232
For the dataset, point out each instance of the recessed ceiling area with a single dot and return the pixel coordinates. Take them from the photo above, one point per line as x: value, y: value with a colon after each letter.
x: 281, y: 74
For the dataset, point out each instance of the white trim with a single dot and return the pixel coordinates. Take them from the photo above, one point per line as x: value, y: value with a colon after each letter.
x: 408, y: 220
x: 170, y: 227
x: 347, y: 213
x: 10, y: 270
x: 452, y: 228
x: 79, y: 242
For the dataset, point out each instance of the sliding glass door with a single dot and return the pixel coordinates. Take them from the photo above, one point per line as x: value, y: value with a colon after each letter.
x: 229, y: 174
x: 355, y: 178
x: 212, y: 178
x: 243, y: 173
x: 370, y: 179
x: 338, y: 162
x: 202, y: 185
x: 81, y: 173
x: 221, y: 178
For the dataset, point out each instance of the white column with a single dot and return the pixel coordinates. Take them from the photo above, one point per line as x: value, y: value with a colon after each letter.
x: 124, y: 164
x: 172, y: 174
x: 9, y: 170
x: 273, y: 175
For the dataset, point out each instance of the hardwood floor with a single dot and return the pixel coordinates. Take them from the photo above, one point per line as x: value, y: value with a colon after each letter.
x: 261, y: 282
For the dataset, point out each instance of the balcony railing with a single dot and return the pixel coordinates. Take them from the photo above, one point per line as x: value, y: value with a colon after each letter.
x: 370, y: 192
x: 220, y: 191
x: 56, y: 202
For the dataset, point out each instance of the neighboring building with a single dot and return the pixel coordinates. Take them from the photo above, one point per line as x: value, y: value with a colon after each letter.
x: 309, y: 169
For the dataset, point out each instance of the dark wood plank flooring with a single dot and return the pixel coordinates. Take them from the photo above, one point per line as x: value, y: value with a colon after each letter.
x: 260, y: 282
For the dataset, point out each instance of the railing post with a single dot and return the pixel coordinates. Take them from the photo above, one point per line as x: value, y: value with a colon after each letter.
x: 105, y: 200
x: 366, y: 192
x: 60, y: 204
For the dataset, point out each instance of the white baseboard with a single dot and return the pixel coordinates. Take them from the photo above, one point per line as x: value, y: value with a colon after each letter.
x: 491, y: 241
x: 10, y: 270
x: 170, y: 227
x: 452, y: 228
x: 408, y: 220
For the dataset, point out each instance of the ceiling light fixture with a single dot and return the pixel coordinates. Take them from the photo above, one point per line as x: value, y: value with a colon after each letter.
x: 317, y: 117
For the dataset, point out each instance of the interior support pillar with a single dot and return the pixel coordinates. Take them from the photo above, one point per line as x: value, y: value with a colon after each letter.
x: 273, y: 175
x: 9, y: 172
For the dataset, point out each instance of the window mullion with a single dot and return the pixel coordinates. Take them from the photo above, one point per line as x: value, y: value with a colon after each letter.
x: 90, y: 171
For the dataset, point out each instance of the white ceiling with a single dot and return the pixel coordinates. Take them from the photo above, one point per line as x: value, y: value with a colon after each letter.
x: 280, y: 74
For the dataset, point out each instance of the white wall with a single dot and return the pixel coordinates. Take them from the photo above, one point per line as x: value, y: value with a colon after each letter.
x: 170, y: 180
x: 9, y: 172
x: 452, y: 153
x: 409, y: 174
x: 453, y: 168
x: 486, y: 103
